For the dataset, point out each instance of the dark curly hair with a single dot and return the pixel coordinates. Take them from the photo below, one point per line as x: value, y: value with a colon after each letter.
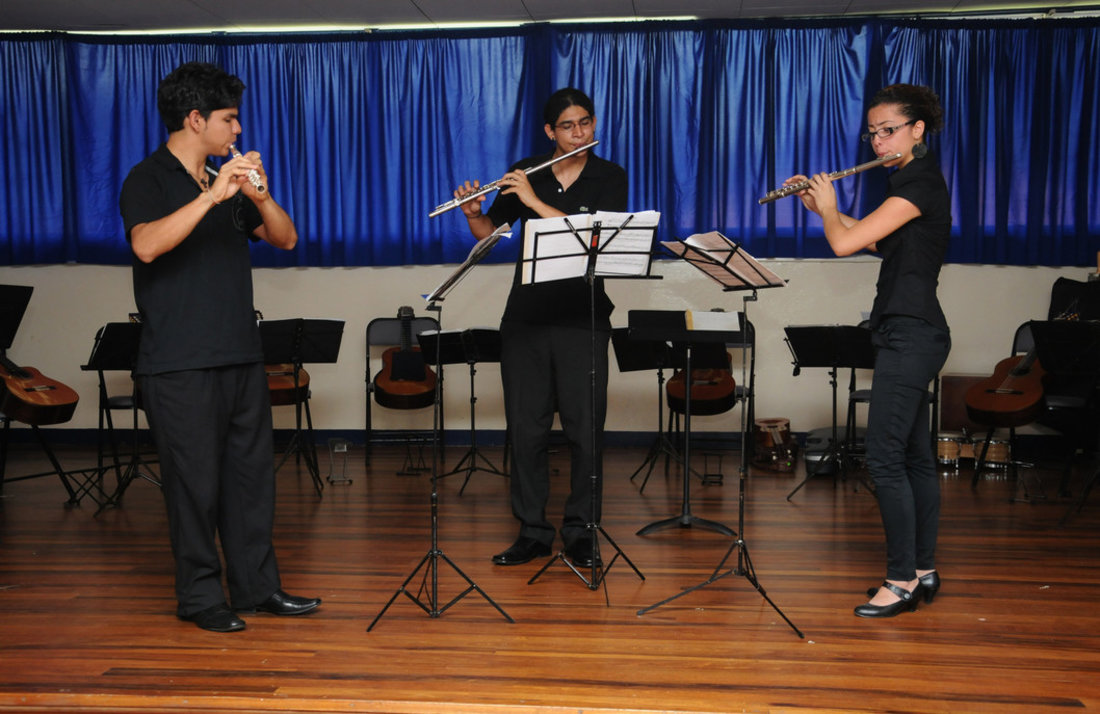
x: 196, y: 85
x: 915, y: 102
x: 561, y: 100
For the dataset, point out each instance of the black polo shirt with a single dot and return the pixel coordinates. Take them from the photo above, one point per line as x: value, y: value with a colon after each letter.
x: 913, y: 254
x: 195, y: 301
x: 602, y: 186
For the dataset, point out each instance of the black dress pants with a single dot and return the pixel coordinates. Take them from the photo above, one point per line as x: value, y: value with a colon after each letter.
x: 909, y: 354
x: 548, y: 367
x: 212, y: 429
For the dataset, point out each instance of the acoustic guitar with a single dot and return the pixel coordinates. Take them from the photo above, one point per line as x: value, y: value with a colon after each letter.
x: 32, y: 398
x: 280, y: 382
x: 405, y: 380
x: 1012, y: 396
x: 713, y: 391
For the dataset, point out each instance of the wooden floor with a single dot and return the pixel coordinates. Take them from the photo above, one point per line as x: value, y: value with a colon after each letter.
x: 87, y: 611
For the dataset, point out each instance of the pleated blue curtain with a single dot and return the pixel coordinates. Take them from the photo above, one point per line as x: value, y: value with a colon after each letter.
x: 363, y: 134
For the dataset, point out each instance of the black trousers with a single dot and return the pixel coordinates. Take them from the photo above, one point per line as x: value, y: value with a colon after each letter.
x: 213, y: 434
x: 546, y: 368
x: 909, y: 354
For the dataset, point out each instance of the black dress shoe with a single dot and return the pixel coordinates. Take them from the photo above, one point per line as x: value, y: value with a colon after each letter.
x: 523, y: 550
x: 930, y: 585
x: 287, y: 605
x: 907, y: 602
x: 216, y: 618
x: 929, y: 582
x: 580, y: 552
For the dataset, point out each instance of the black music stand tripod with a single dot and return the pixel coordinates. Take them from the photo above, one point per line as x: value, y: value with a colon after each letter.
x: 831, y: 347
x: 725, y: 262
x: 116, y: 350
x: 427, y: 597
x: 298, y: 341
x: 633, y: 355
x: 612, y: 245
x: 672, y: 325
x: 471, y: 346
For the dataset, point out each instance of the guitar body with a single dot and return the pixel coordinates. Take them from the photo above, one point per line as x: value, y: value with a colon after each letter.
x: 713, y: 391
x: 1012, y: 396
x: 32, y: 398
x: 280, y: 382
x: 405, y: 380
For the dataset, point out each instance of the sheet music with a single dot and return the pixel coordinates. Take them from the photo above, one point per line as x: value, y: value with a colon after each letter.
x: 718, y: 257
x: 712, y: 321
x: 558, y: 253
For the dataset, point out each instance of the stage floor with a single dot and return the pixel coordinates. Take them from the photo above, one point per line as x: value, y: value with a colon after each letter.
x: 87, y: 609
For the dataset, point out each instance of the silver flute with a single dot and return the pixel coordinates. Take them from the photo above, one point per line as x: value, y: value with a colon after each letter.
x: 456, y: 202
x: 802, y: 185
x: 253, y: 174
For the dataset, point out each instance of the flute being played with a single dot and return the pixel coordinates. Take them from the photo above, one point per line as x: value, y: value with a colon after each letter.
x: 493, y: 186
x: 803, y: 185
x: 253, y: 175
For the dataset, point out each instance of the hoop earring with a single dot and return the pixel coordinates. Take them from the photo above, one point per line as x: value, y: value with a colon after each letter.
x: 920, y: 150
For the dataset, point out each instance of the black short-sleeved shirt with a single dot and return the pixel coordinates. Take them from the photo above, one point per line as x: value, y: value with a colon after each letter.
x: 601, y: 186
x: 913, y: 254
x: 195, y: 301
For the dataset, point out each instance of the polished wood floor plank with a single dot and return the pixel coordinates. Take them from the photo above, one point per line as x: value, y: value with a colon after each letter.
x: 87, y: 624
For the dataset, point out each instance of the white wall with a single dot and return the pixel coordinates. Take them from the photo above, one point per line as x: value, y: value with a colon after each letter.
x: 984, y: 305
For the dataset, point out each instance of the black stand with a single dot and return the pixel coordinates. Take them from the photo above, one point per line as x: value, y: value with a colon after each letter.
x: 471, y: 346
x: 430, y: 561
x: 724, y: 261
x: 1070, y: 354
x: 832, y: 347
x: 672, y: 325
x: 298, y: 341
x: 633, y: 355
x: 116, y: 350
x: 595, y: 253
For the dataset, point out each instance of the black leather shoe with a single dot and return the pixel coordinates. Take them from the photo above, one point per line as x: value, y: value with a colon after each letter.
x: 286, y: 605
x: 216, y: 618
x: 580, y: 552
x: 930, y: 585
x: 907, y: 602
x: 523, y: 550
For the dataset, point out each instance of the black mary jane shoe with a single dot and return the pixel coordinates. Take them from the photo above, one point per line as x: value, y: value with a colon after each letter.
x: 906, y: 603
x: 929, y: 583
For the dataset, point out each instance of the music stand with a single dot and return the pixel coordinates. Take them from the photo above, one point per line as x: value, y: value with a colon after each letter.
x: 116, y: 350
x: 435, y: 553
x: 298, y: 341
x: 14, y: 300
x: 831, y: 347
x: 1070, y: 351
x: 634, y: 355
x: 679, y: 328
x: 603, y: 244
x: 725, y: 262
x: 470, y: 346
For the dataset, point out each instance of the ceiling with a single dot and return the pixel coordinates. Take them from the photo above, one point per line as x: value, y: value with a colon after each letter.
x: 231, y: 15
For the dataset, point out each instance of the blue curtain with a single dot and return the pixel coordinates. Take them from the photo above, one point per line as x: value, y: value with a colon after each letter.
x: 363, y: 134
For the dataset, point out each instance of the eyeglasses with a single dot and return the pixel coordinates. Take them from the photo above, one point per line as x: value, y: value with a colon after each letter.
x: 885, y: 132
x: 584, y: 123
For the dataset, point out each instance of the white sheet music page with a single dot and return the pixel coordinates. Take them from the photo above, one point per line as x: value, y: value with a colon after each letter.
x: 557, y: 248
x: 719, y: 258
